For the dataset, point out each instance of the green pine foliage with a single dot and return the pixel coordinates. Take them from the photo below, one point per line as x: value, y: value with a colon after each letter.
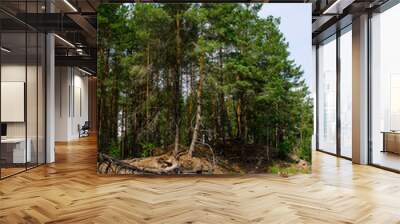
x: 149, y: 62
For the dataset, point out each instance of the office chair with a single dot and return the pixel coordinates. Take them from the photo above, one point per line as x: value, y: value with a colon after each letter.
x: 84, y: 130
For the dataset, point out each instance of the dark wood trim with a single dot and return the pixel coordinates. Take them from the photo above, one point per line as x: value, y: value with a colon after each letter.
x: 329, y: 153
x: 317, y: 96
x: 333, y: 154
x: 338, y: 92
x: 385, y: 168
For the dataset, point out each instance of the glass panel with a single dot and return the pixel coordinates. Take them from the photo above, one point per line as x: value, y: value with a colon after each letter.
x: 22, y: 88
x: 32, y: 88
x: 41, y: 99
x: 386, y: 89
x: 327, y: 96
x: 346, y: 93
x: 31, y: 97
x: 13, y: 86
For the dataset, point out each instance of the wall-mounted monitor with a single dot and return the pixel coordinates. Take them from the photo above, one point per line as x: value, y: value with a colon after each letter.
x: 3, y: 129
x: 12, y: 101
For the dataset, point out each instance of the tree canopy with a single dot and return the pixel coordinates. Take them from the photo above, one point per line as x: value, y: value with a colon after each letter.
x: 183, y: 74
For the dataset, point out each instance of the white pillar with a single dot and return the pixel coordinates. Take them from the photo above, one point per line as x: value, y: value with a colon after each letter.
x: 50, y: 100
x: 360, y: 90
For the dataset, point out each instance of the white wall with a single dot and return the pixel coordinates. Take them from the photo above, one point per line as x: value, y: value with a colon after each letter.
x: 80, y: 109
x: 16, y: 73
x: 71, y: 102
x: 33, y: 127
x: 12, y: 73
x: 61, y: 103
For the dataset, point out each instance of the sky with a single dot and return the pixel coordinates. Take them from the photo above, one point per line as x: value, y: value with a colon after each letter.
x: 296, y: 27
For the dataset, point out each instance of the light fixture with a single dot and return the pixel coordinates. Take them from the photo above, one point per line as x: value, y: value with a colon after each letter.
x: 65, y: 41
x: 70, y: 5
x: 80, y: 51
x: 84, y: 71
x: 5, y: 50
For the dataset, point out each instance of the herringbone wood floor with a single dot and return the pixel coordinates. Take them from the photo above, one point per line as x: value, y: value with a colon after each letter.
x: 69, y: 191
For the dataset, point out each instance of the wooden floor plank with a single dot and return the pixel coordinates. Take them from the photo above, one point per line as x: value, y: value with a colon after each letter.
x: 70, y: 191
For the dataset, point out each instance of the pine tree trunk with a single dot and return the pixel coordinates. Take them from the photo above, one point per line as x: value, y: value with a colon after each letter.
x: 244, y: 124
x: 239, y: 118
x: 221, y: 118
x: 147, y: 90
x: 177, y: 83
x: 198, y: 111
x: 190, y: 101
x: 100, y: 102
x: 103, y: 107
x: 114, y: 107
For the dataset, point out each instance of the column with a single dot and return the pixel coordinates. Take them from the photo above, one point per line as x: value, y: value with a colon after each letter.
x: 360, y: 90
x: 50, y: 93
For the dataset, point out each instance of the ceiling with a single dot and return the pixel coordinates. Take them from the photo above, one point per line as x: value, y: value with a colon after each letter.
x: 74, y: 21
x: 331, y: 15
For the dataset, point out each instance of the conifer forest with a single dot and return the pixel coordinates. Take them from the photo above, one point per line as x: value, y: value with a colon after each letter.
x: 199, y: 89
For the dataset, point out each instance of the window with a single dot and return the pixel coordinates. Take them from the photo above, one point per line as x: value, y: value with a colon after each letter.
x: 385, y: 89
x: 346, y: 93
x: 327, y: 96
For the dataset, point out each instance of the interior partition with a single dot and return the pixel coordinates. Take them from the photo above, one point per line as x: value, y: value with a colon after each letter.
x: 22, y: 88
x: 16, y: 150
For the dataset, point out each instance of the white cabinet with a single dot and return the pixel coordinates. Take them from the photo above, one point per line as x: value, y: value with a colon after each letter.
x: 19, y: 155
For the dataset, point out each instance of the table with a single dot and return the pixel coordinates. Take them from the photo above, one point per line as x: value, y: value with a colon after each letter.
x: 13, y: 150
x: 391, y: 141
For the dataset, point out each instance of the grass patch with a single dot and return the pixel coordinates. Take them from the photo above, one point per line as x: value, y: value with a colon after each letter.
x: 287, y: 169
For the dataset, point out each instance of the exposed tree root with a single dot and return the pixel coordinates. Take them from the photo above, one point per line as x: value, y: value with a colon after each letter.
x: 166, y: 163
x: 240, y: 159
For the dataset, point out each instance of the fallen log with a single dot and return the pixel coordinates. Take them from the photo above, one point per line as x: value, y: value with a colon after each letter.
x: 109, y: 165
x: 160, y: 165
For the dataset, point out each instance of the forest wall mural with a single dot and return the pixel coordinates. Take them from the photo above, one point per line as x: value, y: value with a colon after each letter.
x: 199, y: 89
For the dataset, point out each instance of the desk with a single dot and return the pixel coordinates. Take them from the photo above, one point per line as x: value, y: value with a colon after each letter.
x: 391, y: 141
x: 13, y: 150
